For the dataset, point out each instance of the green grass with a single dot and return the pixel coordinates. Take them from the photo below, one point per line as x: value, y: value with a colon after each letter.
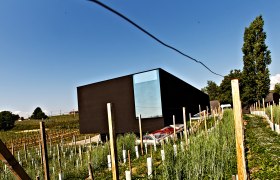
x: 209, y: 156
x: 263, y: 149
x: 54, y: 122
x: 276, y: 113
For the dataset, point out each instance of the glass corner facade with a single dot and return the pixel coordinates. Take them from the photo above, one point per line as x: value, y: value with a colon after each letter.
x: 147, y: 96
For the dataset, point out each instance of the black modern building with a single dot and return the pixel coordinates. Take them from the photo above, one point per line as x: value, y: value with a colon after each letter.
x: 155, y: 94
x: 272, y: 98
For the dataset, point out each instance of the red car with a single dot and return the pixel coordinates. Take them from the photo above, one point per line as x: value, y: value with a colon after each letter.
x: 159, y: 135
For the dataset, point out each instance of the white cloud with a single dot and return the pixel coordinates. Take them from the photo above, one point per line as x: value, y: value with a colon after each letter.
x: 17, y: 112
x: 273, y: 80
x: 22, y: 114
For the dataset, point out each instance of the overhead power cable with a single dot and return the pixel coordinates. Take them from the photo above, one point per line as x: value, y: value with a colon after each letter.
x: 152, y: 36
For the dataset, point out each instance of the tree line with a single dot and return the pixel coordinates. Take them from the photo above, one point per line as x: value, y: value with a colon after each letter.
x: 7, y: 118
x: 254, y: 77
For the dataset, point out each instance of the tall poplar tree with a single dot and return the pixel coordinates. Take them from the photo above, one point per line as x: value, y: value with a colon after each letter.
x: 256, y: 58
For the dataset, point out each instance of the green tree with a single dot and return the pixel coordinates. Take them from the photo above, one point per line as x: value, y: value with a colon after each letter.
x: 38, y: 114
x: 256, y: 58
x: 225, y: 86
x: 7, y: 120
x: 277, y: 88
x: 212, y: 89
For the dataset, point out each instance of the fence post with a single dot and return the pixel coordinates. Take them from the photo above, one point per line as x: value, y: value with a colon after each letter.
x: 44, y: 150
x: 239, y: 131
x: 113, y: 147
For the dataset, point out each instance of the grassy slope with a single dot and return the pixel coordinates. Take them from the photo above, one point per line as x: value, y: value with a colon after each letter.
x: 54, y: 123
x: 263, y: 149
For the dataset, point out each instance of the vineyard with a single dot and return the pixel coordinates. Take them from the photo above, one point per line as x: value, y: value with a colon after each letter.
x: 26, y: 133
x: 209, y: 152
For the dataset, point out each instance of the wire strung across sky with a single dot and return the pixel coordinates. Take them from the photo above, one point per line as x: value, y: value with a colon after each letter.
x: 152, y: 36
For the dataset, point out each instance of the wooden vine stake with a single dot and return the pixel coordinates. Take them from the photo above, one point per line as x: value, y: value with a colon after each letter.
x: 207, y: 111
x: 25, y: 151
x: 59, y: 160
x: 263, y: 105
x: 40, y: 152
x: 205, y: 123
x: 271, y: 116
x: 90, y: 171
x: 190, y: 115
x: 90, y: 146
x: 44, y: 150
x: 174, y: 129
x: 219, y: 109
x: 239, y: 131
x: 141, y: 135
x: 74, y: 137
x: 13, y: 151
x: 113, y: 146
x: 185, y: 125
x: 129, y: 162
x: 199, y: 113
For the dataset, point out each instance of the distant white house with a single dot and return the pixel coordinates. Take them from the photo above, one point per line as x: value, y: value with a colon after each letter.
x: 73, y: 112
x: 225, y: 106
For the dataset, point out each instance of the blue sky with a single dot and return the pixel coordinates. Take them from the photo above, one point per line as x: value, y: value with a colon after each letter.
x: 48, y: 48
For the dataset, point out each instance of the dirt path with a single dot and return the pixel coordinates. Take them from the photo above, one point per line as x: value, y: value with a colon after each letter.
x: 86, y: 141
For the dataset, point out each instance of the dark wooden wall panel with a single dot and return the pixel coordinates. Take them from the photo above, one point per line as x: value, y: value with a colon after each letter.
x: 151, y: 124
x: 92, y: 100
x: 176, y: 94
